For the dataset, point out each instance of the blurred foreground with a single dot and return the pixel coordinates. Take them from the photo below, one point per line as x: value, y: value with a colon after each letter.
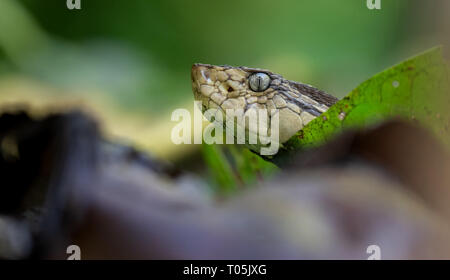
x: 63, y: 184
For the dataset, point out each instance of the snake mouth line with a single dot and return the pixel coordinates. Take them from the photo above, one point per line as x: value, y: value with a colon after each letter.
x: 206, y: 108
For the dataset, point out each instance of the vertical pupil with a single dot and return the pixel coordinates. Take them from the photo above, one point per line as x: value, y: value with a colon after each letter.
x: 259, y: 81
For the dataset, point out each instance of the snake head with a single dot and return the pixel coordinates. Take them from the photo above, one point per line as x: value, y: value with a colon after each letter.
x: 230, y: 87
x: 227, y: 87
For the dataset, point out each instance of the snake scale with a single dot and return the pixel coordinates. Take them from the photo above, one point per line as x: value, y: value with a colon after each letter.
x: 227, y: 87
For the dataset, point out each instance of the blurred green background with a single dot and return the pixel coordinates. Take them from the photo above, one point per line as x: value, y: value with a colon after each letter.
x: 128, y: 62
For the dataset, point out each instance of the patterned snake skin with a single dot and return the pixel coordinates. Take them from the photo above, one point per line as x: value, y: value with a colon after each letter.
x: 228, y: 87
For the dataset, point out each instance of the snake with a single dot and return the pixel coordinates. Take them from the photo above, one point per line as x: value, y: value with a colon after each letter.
x: 224, y: 87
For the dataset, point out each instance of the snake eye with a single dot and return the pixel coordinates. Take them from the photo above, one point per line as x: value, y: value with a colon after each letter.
x: 259, y: 81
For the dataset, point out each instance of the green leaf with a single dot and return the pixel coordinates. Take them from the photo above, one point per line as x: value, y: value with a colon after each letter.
x: 220, y: 171
x: 416, y: 89
x: 250, y: 167
x: 232, y: 167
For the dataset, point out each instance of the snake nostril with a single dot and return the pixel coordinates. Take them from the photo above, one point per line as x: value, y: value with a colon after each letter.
x: 230, y: 89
